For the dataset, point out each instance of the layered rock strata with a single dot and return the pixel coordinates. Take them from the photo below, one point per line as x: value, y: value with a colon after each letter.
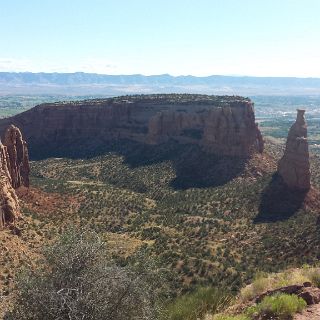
x: 224, y: 125
x: 294, y: 166
x: 14, y: 172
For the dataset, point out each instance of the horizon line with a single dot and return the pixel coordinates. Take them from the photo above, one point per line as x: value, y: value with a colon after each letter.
x: 157, y: 75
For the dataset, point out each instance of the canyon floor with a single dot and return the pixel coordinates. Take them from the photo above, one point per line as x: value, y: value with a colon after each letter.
x: 209, y: 220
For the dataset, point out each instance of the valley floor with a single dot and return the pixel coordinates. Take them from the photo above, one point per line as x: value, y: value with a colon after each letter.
x: 210, y: 221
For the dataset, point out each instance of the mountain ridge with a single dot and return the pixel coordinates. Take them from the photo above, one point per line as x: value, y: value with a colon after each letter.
x: 81, y: 82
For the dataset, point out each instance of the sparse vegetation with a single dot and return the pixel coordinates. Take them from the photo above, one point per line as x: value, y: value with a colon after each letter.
x: 264, y: 282
x: 207, y: 234
x: 228, y: 317
x: 80, y: 281
x: 279, y: 306
x: 203, y: 229
x: 197, y: 304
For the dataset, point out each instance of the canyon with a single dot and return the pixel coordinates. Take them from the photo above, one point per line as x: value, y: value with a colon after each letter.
x: 190, y: 171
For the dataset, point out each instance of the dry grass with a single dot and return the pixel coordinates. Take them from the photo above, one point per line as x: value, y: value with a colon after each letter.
x: 264, y: 282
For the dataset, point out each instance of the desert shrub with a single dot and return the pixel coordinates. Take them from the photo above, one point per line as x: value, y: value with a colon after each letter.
x: 228, y: 317
x: 80, y: 281
x: 281, y: 306
x: 263, y: 282
x: 312, y: 274
x: 198, y: 303
x: 259, y: 285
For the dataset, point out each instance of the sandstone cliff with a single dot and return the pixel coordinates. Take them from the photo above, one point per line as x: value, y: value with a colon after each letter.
x: 294, y: 166
x: 18, y: 158
x: 220, y: 124
x: 14, y: 172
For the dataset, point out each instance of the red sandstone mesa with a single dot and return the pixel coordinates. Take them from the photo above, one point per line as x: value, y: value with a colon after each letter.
x: 224, y: 125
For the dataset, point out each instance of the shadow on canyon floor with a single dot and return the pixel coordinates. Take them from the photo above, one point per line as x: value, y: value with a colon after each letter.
x: 194, y: 168
x: 278, y: 202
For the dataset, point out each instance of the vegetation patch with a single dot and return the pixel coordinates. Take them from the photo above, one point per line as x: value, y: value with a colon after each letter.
x: 279, y: 306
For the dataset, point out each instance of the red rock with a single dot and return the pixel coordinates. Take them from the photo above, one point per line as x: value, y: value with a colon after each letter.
x: 224, y: 126
x: 310, y: 295
x: 228, y: 130
x: 14, y: 172
x: 294, y: 166
x: 18, y: 158
x: 9, y: 204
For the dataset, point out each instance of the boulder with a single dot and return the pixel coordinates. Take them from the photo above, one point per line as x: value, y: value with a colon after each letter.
x: 310, y: 295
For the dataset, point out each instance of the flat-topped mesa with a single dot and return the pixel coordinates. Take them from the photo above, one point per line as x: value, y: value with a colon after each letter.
x: 224, y: 125
x: 294, y: 166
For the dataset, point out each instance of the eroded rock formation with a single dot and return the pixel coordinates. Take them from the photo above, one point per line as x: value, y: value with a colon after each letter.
x: 14, y: 172
x: 18, y: 158
x: 9, y: 204
x: 224, y: 125
x: 294, y: 166
x: 232, y: 130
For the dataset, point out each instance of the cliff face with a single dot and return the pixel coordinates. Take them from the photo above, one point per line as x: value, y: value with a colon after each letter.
x: 14, y: 172
x: 227, y: 130
x: 222, y: 125
x: 18, y: 158
x: 294, y: 166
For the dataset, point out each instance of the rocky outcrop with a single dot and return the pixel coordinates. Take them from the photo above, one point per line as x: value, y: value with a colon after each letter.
x: 294, y: 166
x: 9, y: 204
x: 18, y: 158
x: 224, y: 125
x: 14, y: 172
x: 310, y: 294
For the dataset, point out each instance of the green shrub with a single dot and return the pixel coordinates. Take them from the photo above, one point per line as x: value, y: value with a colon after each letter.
x: 260, y: 284
x: 197, y: 304
x: 313, y: 274
x: 81, y: 281
x: 280, y: 305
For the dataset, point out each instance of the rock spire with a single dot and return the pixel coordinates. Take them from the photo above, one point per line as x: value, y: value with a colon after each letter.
x: 294, y: 166
x: 18, y: 158
x: 14, y: 172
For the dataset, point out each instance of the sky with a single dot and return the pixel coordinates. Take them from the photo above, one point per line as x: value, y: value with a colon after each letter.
x: 178, y: 37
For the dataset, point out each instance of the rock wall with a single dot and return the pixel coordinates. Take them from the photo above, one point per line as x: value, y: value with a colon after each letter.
x: 14, y: 172
x: 228, y: 130
x: 220, y: 124
x: 294, y: 166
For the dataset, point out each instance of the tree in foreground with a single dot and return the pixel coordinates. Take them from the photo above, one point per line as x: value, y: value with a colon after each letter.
x: 80, y: 281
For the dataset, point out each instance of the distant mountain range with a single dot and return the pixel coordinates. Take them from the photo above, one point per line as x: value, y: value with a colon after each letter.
x: 80, y: 83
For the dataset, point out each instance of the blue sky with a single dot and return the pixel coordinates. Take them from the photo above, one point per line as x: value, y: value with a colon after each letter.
x: 199, y: 37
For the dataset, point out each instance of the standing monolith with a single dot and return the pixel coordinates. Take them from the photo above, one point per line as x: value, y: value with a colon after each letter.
x: 294, y: 166
x: 18, y: 158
